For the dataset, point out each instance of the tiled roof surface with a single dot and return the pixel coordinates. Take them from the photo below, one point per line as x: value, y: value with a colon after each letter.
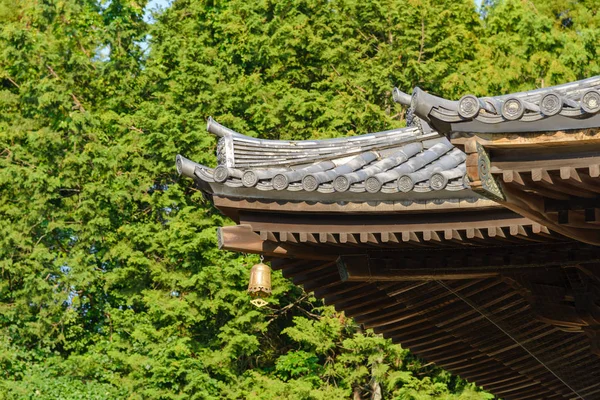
x: 568, y: 106
x: 399, y: 161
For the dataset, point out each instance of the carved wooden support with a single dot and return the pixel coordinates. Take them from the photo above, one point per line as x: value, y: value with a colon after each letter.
x: 529, y: 205
x: 479, y: 172
x: 533, y: 207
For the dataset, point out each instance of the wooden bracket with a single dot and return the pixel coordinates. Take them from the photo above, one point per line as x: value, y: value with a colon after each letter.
x: 479, y: 172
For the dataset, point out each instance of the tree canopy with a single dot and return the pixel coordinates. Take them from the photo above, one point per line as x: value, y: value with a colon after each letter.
x: 111, y: 284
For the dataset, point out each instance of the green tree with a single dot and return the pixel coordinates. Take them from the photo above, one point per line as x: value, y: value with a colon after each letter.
x: 111, y: 282
x: 532, y: 44
x: 307, y: 68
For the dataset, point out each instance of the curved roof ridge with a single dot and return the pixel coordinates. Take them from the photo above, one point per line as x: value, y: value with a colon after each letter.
x: 241, y: 151
x: 572, y: 105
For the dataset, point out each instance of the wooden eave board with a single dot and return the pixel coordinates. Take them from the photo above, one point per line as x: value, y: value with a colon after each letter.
x: 231, y: 206
x: 294, y: 234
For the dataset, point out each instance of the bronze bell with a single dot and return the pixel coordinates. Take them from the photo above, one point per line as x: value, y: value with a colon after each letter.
x: 260, y: 283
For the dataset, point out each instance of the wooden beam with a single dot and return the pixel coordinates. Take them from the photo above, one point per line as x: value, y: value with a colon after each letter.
x: 583, y: 137
x: 408, y: 236
x: 287, y: 237
x: 326, y: 238
x: 267, y: 235
x: 541, y: 175
x: 388, y: 237
x: 532, y: 207
x: 551, y: 205
x: 442, y: 328
x: 231, y: 206
x: 347, y: 238
x: 425, y: 231
x: 528, y: 162
x: 367, y: 237
x: 306, y: 237
x: 541, y: 183
x: 356, y: 224
x: 456, y: 264
x: 243, y: 239
x: 514, y: 192
x: 359, y: 269
x: 592, y: 215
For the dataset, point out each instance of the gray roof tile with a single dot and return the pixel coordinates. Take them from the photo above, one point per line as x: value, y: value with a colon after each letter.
x: 366, y: 167
x: 574, y: 105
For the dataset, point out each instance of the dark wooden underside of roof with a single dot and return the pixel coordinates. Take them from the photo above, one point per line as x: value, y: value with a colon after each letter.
x: 485, y: 293
x: 493, y: 331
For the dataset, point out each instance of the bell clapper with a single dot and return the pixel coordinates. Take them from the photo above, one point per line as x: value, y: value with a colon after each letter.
x: 259, y: 285
x: 258, y: 302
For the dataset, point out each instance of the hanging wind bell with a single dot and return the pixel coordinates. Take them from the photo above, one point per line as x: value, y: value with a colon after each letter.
x: 260, y: 283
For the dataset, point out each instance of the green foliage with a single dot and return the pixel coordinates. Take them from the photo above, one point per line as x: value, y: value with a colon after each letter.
x: 531, y: 44
x: 111, y: 282
x: 308, y: 68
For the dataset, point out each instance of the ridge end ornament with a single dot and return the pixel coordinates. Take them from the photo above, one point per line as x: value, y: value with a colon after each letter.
x: 221, y: 151
x: 590, y: 101
x: 513, y: 109
x: 468, y: 106
x: 280, y: 182
x: 551, y: 104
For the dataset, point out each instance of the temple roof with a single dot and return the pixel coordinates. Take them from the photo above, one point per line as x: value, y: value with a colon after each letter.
x: 573, y: 105
x: 483, y: 258
x: 412, y: 163
x: 405, y: 163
